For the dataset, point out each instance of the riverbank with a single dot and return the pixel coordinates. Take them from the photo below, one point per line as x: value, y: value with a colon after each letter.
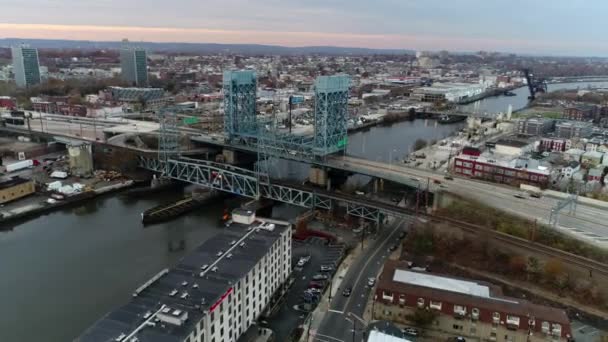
x: 36, y: 205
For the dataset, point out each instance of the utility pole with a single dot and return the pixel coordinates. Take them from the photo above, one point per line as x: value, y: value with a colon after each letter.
x: 428, y: 184
x: 290, y: 105
x: 362, y: 237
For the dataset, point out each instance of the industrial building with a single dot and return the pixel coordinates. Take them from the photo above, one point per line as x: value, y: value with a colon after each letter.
x: 150, y: 96
x: 535, y: 126
x: 15, y: 188
x: 469, y: 308
x: 134, y: 66
x: 452, y: 92
x: 26, y: 66
x: 509, y: 163
x: 214, y: 294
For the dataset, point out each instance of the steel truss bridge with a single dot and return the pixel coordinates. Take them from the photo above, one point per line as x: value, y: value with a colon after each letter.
x: 247, y: 183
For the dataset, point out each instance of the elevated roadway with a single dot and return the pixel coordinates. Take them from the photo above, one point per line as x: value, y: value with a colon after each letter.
x: 589, y: 222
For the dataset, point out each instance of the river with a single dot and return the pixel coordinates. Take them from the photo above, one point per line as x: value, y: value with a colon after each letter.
x: 497, y: 104
x: 62, y: 271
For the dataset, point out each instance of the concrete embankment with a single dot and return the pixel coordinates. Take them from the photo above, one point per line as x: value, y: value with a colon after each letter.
x: 37, y: 205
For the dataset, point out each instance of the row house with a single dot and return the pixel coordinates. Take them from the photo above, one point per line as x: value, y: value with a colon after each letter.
x: 465, y: 307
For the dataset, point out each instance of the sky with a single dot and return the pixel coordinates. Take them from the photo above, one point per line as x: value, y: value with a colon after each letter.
x: 553, y: 27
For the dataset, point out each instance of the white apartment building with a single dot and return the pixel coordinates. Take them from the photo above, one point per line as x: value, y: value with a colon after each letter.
x: 213, y: 295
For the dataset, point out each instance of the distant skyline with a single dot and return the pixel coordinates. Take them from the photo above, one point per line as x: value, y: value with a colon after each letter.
x: 557, y: 27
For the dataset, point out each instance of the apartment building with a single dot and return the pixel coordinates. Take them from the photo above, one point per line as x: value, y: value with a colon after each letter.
x: 213, y: 295
x: 469, y: 308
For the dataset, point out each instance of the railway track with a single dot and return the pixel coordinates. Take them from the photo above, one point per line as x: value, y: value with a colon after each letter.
x: 573, y: 259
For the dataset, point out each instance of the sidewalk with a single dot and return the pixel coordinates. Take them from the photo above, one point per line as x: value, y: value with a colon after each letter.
x: 322, y: 308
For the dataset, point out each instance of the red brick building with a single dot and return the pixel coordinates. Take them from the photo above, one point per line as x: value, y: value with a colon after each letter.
x: 580, y: 113
x: 7, y: 102
x: 465, y: 307
x: 553, y: 145
x: 514, y: 171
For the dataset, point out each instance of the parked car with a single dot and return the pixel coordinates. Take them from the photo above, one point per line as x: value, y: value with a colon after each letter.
x: 326, y: 268
x: 371, y: 282
x: 303, y: 261
x: 320, y: 277
x: 313, y: 290
x: 316, y: 285
x: 436, y: 181
x: 448, y: 178
x: 347, y: 291
x: 411, y: 331
x: 520, y: 196
x: 402, y: 235
x: 393, y: 248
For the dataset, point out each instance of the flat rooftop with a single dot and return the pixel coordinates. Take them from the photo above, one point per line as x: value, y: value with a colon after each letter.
x: 199, y: 281
x: 442, y: 283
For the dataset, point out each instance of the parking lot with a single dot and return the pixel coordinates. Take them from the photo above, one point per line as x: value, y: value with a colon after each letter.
x: 585, y: 333
x: 287, y: 317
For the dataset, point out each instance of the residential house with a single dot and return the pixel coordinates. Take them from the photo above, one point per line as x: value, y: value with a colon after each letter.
x: 591, y: 159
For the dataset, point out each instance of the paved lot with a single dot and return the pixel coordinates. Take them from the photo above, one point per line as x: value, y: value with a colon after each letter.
x: 287, y: 318
x: 585, y: 333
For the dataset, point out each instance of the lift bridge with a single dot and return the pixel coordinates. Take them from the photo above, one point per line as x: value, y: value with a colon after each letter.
x: 243, y: 129
x: 247, y: 183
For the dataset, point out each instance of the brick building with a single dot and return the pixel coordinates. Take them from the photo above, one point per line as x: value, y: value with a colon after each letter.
x: 514, y: 171
x: 469, y: 308
x: 554, y: 145
x: 580, y: 113
x: 7, y: 102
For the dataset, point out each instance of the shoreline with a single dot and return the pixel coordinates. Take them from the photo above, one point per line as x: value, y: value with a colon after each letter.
x: 43, y: 209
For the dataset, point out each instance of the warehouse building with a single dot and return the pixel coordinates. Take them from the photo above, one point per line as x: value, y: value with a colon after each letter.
x: 15, y: 188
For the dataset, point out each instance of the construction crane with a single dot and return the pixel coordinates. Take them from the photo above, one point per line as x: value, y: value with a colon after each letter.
x: 535, y: 85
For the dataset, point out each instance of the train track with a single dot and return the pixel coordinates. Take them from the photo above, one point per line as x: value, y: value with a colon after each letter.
x: 566, y: 257
x: 573, y: 259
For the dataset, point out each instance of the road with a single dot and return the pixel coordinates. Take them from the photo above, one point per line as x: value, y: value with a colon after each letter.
x: 588, y: 223
x: 337, y: 323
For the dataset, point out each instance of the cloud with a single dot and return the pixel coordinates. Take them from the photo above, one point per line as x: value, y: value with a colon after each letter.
x: 563, y: 26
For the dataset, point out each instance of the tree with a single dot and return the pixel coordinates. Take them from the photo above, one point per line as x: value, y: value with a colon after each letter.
x: 533, y: 267
x: 517, y: 264
x: 553, y: 269
x: 422, y: 317
x: 419, y: 144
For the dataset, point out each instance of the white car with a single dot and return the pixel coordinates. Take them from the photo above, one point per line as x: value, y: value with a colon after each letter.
x: 371, y: 282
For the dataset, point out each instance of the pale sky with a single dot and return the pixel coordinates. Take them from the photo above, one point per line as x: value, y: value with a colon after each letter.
x: 564, y: 27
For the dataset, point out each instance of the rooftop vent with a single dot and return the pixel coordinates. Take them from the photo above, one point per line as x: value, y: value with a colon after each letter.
x: 232, y: 242
x: 173, y: 293
x: 184, y: 283
x: 204, y: 267
x: 242, y: 244
x: 243, y: 216
x: 214, y: 269
x: 229, y: 256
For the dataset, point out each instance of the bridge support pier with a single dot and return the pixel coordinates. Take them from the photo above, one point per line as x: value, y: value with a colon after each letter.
x: 378, y: 185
